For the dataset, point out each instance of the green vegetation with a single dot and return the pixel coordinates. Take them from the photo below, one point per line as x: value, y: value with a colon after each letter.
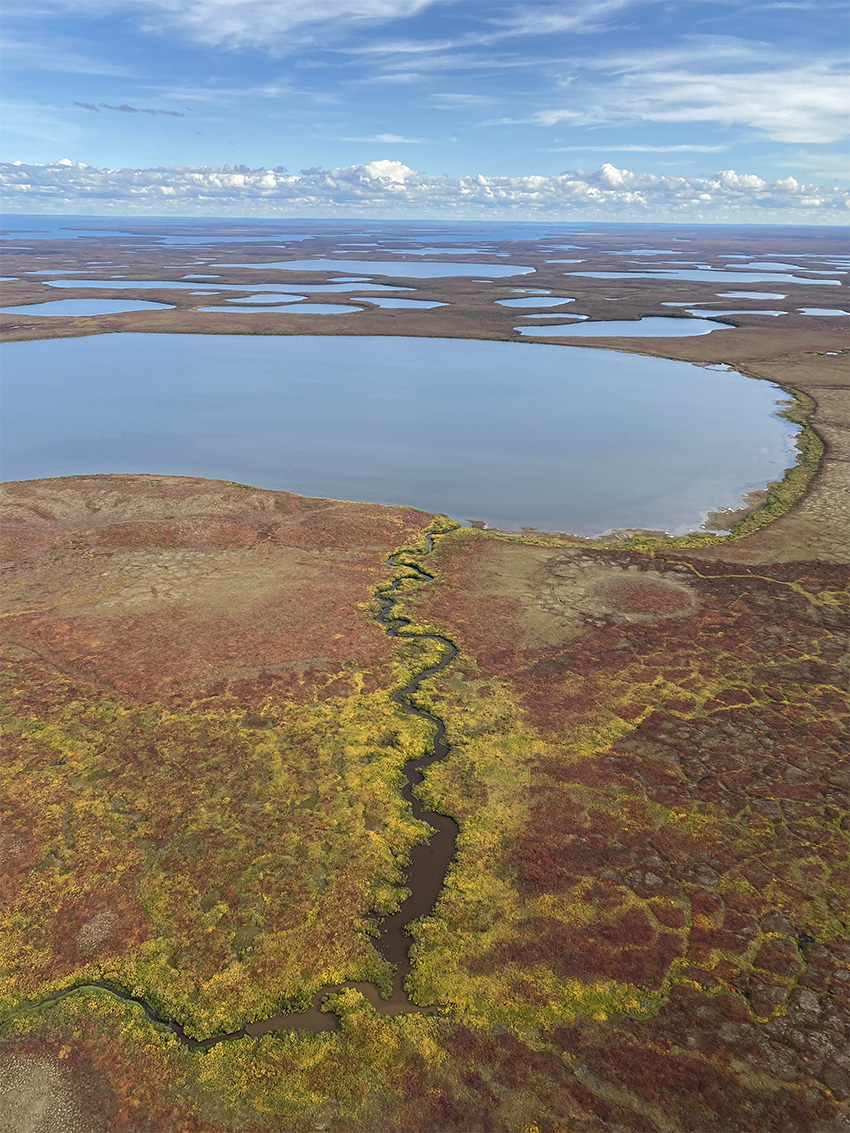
x: 782, y: 495
x: 651, y: 852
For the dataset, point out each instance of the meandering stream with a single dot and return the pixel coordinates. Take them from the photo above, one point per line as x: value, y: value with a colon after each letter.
x: 424, y: 876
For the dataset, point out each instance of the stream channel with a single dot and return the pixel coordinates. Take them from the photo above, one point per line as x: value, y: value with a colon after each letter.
x: 424, y: 876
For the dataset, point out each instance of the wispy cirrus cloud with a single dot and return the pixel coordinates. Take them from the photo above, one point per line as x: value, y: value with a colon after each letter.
x: 385, y: 139
x: 690, y: 50
x: 801, y: 104
x: 557, y: 18
x: 57, y: 57
x: 245, y: 23
x: 635, y: 147
x: 391, y: 188
x: 449, y: 101
x: 278, y: 25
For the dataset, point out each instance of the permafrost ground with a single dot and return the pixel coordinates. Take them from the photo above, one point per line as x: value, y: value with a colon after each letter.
x: 643, y: 925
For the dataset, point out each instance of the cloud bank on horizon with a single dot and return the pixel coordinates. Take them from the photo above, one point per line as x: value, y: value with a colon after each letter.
x: 391, y: 189
x: 218, y: 96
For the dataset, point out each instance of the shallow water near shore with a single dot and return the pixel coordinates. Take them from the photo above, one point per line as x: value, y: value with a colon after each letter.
x: 516, y: 434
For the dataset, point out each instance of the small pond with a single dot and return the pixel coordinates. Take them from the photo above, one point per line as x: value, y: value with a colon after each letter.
x: 279, y: 238
x: 180, y: 285
x: 638, y: 328
x: 557, y: 437
x: 763, y: 295
x: 707, y: 275
x: 467, y: 251
x: 701, y: 314
x: 398, y: 270
x: 538, y: 301
x: 768, y: 265
x: 258, y: 298
x: 289, y: 309
x: 82, y: 307
x: 402, y: 304
x: 141, y: 284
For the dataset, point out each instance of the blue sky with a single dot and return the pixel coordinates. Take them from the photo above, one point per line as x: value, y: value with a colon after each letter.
x: 451, y: 89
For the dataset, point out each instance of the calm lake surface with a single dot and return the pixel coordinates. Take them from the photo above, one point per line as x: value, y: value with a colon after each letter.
x: 557, y: 437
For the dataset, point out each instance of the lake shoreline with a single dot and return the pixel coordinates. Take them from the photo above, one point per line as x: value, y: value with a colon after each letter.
x: 211, y: 810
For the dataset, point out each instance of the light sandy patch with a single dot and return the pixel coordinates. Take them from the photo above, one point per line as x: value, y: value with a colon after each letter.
x: 579, y: 585
x: 108, y: 584
x: 35, y: 1097
x: 97, y: 930
x: 557, y: 591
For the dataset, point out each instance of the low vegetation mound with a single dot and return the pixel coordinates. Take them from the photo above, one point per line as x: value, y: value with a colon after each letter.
x: 643, y: 926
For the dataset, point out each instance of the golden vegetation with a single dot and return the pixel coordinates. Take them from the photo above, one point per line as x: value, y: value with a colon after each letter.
x: 650, y: 851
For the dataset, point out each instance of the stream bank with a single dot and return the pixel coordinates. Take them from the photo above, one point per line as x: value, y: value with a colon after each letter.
x: 428, y: 861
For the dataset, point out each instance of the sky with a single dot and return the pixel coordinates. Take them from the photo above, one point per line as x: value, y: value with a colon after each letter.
x: 709, y: 110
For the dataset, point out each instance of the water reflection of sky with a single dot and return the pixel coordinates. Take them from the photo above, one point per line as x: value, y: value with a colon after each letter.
x: 182, y: 285
x: 289, y: 309
x: 514, y: 433
x: 535, y: 301
x: 85, y: 307
x: 711, y: 275
x: 657, y: 327
x: 396, y: 269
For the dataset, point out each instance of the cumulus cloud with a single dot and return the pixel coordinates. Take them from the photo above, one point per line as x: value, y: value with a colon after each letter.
x: 386, y: 188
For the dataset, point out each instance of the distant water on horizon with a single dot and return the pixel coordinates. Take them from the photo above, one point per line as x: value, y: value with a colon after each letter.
x: 53, y: 226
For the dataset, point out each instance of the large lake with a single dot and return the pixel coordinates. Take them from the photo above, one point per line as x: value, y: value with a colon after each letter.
x: 557, y: 437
